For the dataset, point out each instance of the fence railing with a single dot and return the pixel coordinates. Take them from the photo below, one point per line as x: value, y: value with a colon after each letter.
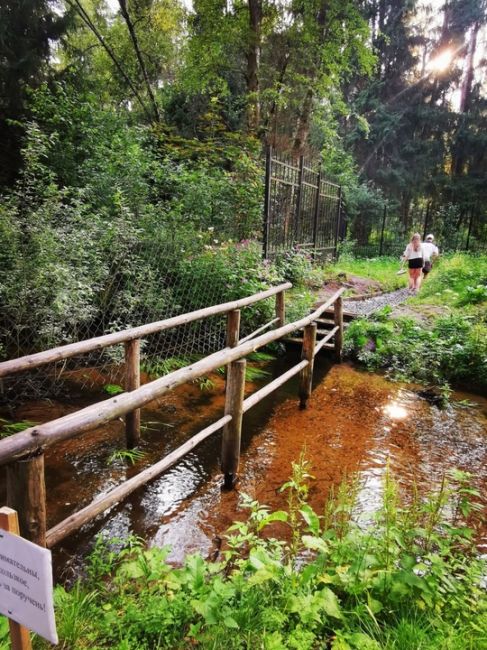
x: 23, y: 453
x: 381, y: 230
x: 301, y: 207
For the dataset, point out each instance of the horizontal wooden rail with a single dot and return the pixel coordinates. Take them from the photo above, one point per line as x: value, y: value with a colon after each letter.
x: 81, y: 347
x: 325, y: 339
x: 45, y: 435
x: 114, y: 496
x: 259, y: 395
x: 259, y: 330
x: 83, y: 516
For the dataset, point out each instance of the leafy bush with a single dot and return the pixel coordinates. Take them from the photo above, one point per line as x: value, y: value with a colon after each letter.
x: 454, y: 349
x: 330, y: 582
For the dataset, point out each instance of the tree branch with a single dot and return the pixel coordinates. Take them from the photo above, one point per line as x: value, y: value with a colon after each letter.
x: 135, y: 42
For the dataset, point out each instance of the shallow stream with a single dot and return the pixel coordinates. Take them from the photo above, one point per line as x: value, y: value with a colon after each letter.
x: 355, y: 424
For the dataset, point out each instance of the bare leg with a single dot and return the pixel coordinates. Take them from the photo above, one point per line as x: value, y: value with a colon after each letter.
x: 411, y: 279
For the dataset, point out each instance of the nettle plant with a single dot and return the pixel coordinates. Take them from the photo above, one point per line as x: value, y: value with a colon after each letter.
x: 295, y: 578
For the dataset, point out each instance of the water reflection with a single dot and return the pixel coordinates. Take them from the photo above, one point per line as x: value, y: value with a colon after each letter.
x: 356, y: 425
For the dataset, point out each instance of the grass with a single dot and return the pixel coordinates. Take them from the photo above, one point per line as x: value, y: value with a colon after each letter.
x: 444, y: 341
x: 381, y: 269
x: 410, y: 580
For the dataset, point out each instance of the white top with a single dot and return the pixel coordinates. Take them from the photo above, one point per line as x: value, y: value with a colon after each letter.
x: 411, y: 254
x: 429, y: 250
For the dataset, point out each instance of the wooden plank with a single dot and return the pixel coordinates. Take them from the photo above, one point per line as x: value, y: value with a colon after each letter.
x: 306, y: 376
x: 339, y: 324
x: 269, y: 388
x: 78, y: 519
x: 81, y: 347
x: 26, y: 494
x: 259, y: 330
x: 281, y: 308
x: 324, y: 340
x: 19, y: 635
x: 95, y: 415
x: 132, y: 382
x: 233, y: 327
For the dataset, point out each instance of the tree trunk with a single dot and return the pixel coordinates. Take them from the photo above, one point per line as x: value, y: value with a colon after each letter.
x: 253, y: 61
x: 303, y: 125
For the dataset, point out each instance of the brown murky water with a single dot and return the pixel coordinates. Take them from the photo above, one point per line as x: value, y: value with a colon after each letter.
x: 354, y: 425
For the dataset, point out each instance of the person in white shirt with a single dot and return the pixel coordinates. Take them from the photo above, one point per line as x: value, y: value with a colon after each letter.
x: 414, y: 257
x: 430, y: 252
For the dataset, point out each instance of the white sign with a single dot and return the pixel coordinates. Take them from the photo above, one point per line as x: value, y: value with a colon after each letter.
x: 26, y: 585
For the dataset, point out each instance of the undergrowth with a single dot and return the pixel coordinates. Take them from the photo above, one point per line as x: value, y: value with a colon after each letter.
x: 449, y: 346
x: 298, y: 579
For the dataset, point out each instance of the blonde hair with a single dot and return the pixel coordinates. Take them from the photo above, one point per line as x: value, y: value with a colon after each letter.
x: 416, y: 244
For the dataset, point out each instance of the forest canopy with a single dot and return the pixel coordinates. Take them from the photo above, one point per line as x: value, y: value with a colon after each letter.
x: 126, y: 123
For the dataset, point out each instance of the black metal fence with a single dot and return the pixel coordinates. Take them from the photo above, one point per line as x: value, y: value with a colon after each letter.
x: 384, y: 230
x: 301, y: 209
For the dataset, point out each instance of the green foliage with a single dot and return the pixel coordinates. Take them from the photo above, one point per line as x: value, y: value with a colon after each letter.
x: 9, y: 428
x: 409, y: 576
x: 453, y: 349
x: 458, y: 280
x: 131, y: 456
x: 113, y: 389
x: 382, y: 269
x: 450, y: 348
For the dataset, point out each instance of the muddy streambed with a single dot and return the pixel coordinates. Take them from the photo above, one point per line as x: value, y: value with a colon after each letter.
x: 355, y: 424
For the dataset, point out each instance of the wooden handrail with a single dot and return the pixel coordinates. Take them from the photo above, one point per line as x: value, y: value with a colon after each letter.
x: 68, y: 426
x: 62, y: 352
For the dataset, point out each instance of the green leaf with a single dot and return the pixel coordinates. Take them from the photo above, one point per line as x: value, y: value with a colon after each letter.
x: 330, y: 603
x: 311, y: 518
x: 314, y: 543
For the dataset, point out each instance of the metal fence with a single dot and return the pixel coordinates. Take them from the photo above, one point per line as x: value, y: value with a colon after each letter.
x: 383, y: 230
x: 301, y: 208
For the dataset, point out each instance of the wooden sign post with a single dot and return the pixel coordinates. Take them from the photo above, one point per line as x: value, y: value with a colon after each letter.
x: 19, y: 635
x: 26, y: 590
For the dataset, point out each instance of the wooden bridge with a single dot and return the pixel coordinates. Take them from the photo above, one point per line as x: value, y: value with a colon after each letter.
x: 23, y: 453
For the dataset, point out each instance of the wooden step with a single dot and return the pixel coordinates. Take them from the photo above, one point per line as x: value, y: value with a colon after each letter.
x: 347, y: 315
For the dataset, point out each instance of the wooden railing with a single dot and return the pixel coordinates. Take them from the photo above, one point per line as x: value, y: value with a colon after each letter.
x: 23, y: 453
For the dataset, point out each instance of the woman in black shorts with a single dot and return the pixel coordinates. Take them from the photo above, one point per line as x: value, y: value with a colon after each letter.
x: 414, y: 256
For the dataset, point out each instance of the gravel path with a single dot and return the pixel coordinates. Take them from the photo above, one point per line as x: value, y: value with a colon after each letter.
x: 369, y: 305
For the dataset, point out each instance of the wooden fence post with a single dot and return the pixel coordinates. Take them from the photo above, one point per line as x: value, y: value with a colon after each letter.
x: 26, y: 493
x: 281, y: 308
x: 132, y: 382
x: 338, y: 316
x: 19, y: 635
x: 306, y: 374
x: 233, y: 430
x: 233, y: 328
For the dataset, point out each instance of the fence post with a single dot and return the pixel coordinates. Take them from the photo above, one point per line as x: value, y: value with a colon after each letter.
x: 338, y: 317
x: 381, y: 245
x: 299, y: 200
x: 132, y: 382
x: 281, y: 308
x: 233, y: 327
x: 233, y: 430
x: 26, y: 493
x: 339, y: 214
x: 316, y: 210
x: 19, y: 635
x: 306, y: 374
x: 426, y: 219
x: 469, y: 232
x: 267, y: 201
